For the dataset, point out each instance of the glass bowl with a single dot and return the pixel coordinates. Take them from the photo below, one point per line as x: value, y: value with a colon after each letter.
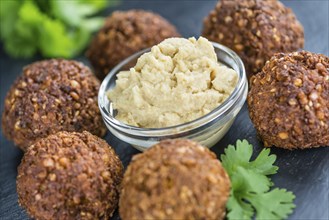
x: 207, y: 130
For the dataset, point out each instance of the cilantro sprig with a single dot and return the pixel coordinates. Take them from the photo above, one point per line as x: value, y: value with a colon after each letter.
x: 251, y: 187
x: 54, y: 28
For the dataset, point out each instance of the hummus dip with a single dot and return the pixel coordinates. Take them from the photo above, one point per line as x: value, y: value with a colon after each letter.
x: 178, y: 81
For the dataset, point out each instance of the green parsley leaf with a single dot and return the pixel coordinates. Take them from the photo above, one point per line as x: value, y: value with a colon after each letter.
x: 54, y: 41
x: 99, y: 4
x: 19, y: 35
x: 275, y: 204
x: 241, y: 155
x: 238, y: 209
x: 250, y: 190
x: 8, y: 17
x: 248, y: 179
x: 72, y: 12
x: 55, y: 28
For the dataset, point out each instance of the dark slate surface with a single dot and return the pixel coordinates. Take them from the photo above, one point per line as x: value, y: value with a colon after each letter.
x: 305, y: 172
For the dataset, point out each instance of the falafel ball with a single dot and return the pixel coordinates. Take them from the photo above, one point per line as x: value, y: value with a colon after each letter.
x: 288, y: 101
x: 254, y: 29
x: 69, y: 176
x: 124, y: 33
x: 175, y: 179
x: 50, y: 96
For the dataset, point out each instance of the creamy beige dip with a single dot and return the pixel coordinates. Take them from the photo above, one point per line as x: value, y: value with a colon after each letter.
x: 178, y: 81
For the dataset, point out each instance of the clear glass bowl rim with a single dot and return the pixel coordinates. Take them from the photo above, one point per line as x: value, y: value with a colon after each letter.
x: 216, y: 114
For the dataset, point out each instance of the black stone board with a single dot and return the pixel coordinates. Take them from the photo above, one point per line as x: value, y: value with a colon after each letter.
x: 305, y: 172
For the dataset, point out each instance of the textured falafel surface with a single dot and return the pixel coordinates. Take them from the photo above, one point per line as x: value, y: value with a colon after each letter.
x: 254, y: 29
x: 69, y: 176
x: 50, y: 96
x: 124, y: 33
x: 175, y: 179
x: 289, y: 101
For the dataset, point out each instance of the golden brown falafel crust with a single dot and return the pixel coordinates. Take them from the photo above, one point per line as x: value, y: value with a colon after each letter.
x: 124, y: 33
x: 255, y: 29
x: 50, y: 96
x: 69, y: 176
x: 289, y: 101
x: 175, y: 179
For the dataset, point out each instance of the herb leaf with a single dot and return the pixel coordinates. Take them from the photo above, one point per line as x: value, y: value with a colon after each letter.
x: 275, y: 204
x: 54, y: 28
x: 250, y: 190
